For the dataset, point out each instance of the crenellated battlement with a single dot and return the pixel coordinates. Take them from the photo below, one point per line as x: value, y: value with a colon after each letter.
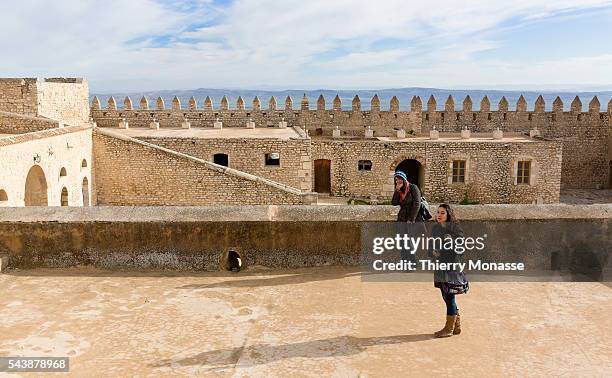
x: 322, y: 120
x: 375, y: 104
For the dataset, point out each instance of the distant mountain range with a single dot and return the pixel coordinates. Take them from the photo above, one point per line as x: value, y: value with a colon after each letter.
x: 403, y: 94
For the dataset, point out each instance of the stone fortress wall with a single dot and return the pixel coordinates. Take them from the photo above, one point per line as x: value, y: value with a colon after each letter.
x: 47, y: 154
x: 585, y: 136
x: 64, y: 100
x: 572, y: 149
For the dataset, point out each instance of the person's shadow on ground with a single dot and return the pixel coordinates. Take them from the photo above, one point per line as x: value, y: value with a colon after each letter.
x: 260, y: 354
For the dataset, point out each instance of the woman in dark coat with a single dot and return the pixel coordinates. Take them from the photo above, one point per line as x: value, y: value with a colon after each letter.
x: 450, y: 281
x: 408, y: 197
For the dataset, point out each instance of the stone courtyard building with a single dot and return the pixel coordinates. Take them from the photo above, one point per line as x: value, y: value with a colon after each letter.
x: 57, y: 149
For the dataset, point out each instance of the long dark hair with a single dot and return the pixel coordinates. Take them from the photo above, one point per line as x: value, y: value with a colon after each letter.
x: 450, y: 214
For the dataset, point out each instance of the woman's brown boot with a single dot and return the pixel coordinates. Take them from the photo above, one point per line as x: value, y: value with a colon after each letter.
x: 457, y: 329
x: 448, y: 327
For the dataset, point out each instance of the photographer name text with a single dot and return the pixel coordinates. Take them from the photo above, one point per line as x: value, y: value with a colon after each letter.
x: 428, y: 265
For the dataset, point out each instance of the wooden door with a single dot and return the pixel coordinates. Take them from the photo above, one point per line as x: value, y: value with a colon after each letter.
x: 322, y: 173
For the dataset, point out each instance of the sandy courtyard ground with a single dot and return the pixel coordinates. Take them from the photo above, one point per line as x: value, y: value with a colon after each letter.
x: 311, y: 322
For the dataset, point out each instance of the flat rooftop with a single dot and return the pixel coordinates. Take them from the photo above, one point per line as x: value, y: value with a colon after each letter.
x: 309, y: 322
x: 210, y: 133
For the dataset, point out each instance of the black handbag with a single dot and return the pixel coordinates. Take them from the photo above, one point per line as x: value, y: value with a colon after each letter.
x: 455, y: 283
x: 423, y: 208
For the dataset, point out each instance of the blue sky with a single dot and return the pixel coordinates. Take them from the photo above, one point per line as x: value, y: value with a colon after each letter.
x: 343, y: 44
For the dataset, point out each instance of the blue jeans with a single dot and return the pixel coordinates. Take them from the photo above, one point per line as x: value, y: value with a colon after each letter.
x: 451, y: 305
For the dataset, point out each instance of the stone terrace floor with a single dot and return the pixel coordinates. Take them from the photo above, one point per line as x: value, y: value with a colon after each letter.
x: 309, y: 322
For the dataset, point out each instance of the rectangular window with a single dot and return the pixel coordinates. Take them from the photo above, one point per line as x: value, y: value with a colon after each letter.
x: 365, y: 165
x: 273, y: 158
x: 458, y: 171
x: 522, y: 172
x: 221, y: 159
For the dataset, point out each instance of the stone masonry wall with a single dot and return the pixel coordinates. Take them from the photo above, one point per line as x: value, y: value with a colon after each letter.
x: 490, y: 168
x: 584, y: 134
x: 318, y: 122
x: 131, y: 173
x: 248, y: 155
x: 13, y: 123
x: 19, y: 96
x: 197, y: 238
x: 65, y: 100
x: 585, y: 149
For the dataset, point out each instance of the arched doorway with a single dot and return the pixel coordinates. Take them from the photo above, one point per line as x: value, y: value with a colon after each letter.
x: 3, y: 197
x: 85, y: 192
x: 414, y: 170
x: 36, y: 187
x: 322, y: 176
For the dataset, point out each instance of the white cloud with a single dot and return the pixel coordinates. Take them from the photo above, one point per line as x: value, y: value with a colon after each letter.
x: 283, y: 43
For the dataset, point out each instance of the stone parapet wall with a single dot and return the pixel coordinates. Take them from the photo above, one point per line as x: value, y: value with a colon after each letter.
x: 318, y: 123
x: 322, y: 119
x: 13, y: 123
x: 197, y: 238
x: 287, y: 213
